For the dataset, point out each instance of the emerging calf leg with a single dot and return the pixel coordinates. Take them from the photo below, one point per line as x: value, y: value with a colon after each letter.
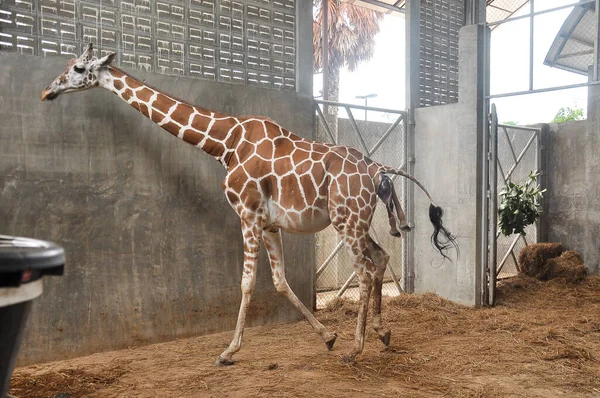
x: 274, y: 245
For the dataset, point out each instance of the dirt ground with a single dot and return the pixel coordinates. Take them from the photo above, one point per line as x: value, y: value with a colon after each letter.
x: 541, y: 340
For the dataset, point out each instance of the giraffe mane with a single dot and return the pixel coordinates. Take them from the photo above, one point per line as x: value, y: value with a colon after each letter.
x: 244, y: 117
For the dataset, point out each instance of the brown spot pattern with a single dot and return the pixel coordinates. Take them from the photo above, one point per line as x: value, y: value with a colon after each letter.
x: 163, y: 104
x: 192, y: 137
x: 144, y: 94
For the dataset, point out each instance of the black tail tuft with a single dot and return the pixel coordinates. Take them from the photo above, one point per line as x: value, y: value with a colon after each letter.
x: 448, y: 240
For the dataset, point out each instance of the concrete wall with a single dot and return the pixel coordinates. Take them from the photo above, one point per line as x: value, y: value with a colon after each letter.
x: 154, y: 252
x: 572, y: 210
x: 448, y: 162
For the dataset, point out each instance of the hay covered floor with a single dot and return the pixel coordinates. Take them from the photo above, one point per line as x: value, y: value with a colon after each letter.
x: 541, y: 340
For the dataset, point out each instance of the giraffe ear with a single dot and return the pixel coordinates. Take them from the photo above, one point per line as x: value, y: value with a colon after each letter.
x: 107, y: 60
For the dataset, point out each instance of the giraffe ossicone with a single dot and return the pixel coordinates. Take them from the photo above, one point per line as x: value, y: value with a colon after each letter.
x: 275, y: 181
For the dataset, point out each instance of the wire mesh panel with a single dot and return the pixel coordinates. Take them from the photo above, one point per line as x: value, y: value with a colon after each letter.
x: 499, y: 10
x: 249, y: 42
x: 518, y: 156
x: 384, y: 143
x: 440, y: 22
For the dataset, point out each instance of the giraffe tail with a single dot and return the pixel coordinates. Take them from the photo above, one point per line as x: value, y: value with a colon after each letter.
x: 441, y: 238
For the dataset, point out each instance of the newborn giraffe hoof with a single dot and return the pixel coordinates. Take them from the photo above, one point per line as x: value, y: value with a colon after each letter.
x: 386, y: 338
x: 349, y: 358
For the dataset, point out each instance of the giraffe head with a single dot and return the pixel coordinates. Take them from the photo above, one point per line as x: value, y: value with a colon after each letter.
x: 81, y: 74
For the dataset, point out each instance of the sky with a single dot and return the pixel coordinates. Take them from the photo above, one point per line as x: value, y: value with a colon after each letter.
x: 384, y: 75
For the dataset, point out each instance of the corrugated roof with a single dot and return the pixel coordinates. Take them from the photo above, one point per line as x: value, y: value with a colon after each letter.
x: 573, y: 47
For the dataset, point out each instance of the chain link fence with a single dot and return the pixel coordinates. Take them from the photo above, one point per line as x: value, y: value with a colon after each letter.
x: 384, y: 143
x: 518, y: 156
x: 248, y: 42
x: 499, y: 10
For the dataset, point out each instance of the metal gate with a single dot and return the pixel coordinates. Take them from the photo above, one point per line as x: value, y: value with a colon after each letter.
x: 383, y: 141
x: 514, y: 152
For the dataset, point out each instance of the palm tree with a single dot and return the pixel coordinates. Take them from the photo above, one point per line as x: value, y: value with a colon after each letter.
x: 352, y: 31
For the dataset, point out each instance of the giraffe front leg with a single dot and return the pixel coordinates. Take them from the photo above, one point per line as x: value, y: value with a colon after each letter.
x: 274, y: 247
x: 251, y: 249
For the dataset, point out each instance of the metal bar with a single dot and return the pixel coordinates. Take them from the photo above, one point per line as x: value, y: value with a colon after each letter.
x: 525, y: 128
x: 580, y: 3
x: 543, y: 90
x: 391, y: 269
x: 356, y: 129
x: 577, y: 54
x: 502, y: 171
x: 510, y: 249
x: 542, y: 226
x: 531, y: 7
x: 521, y: 155
x: 325, y: 45
x: 596, y: 41
x: 512, y: 254
x: 412, y: 64
x: 408, y: 241
x: 512, y: 150
x: 494, y: 205
x: 483, y: 115
x: 329, y: 258
x: 346, y: 284
x: 485, y: 209
x: 577, y: 40
x: 324, y: 123
x: 385, y: 135
x: 395, y: 279
x: 354, y: 106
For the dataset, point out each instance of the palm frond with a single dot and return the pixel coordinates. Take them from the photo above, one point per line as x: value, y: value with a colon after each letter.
x: 352, y: 32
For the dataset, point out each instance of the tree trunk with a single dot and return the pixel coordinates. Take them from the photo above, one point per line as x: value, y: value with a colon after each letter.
x: 334, y: 88
x: 331, y: 115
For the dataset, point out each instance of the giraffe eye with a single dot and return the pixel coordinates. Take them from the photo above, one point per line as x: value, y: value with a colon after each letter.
x: 78, y: 69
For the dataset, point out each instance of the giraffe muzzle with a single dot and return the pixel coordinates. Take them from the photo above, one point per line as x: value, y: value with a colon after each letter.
x: 48, y: 94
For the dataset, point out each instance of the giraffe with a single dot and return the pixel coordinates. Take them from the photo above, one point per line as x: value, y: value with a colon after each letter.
x: 275, y: 180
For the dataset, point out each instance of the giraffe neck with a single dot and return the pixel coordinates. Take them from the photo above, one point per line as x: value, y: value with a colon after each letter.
x: 211, y: 132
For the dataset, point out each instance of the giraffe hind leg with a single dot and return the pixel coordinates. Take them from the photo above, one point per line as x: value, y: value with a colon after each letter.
x: 273, y: 244
x: 380, y: 258
x: 356, y: 241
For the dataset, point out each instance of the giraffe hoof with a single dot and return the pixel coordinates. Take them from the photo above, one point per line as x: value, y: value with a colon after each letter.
x: 386, y: 338
x: 405, y: 228
x: 349, y: 358
x: 396, y: 233
x: 223, y: 362
x: 331, y: 342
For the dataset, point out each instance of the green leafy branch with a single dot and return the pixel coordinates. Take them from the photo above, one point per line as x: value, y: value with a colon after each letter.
x: 519, y: 205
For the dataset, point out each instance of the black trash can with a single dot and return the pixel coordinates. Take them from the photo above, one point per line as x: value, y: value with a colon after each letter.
x: 23, y: 263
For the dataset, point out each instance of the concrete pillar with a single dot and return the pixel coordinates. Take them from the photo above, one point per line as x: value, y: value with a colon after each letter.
x: 449, y: 159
